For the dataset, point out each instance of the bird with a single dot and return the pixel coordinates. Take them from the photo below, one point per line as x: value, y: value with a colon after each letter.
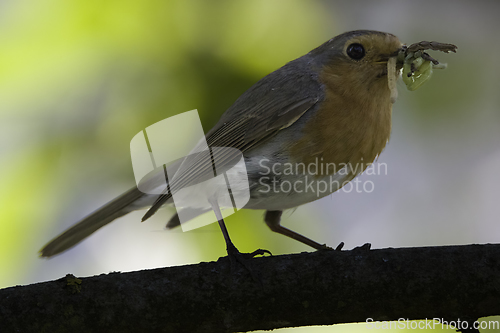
x: 331, y: 108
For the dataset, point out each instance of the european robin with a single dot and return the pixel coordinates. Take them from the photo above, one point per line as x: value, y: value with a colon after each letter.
x: 330, y: 108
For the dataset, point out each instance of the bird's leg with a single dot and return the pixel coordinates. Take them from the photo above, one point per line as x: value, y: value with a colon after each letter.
x: 230, y: 248
x: 232, y: 251
x: 273, y: 219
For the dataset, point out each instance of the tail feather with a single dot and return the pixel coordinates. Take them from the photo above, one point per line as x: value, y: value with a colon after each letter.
x: 131, y: 200
x: 104, y: 215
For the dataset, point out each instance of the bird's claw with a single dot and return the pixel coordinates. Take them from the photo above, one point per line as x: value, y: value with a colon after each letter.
x: 258, y: 252
x: 363, y: 248
x: 236, y: 256
x: 325, y: 247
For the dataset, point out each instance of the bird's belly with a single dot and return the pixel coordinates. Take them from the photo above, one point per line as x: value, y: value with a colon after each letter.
x: 288, y: 187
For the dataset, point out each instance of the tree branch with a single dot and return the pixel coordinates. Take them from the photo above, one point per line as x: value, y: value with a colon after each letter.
x: 320, y: 288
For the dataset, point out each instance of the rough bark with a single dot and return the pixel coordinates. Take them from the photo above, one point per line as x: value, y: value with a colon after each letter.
x: 320, y: 288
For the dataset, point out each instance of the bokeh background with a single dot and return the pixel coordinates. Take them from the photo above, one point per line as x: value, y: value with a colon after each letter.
x: 78, y: 79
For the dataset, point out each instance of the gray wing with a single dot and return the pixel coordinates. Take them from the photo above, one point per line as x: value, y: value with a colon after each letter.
x: 273, y: 104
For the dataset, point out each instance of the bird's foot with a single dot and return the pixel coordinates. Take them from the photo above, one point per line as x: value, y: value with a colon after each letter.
x: 258, y: 252
x: 363, y: 248
x: 235, y: 256
x: 325, y: 247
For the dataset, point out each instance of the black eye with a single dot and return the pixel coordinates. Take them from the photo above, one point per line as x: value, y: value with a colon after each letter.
x: 356, y: 51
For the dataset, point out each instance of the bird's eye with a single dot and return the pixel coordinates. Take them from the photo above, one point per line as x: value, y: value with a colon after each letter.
x: 355, y: 51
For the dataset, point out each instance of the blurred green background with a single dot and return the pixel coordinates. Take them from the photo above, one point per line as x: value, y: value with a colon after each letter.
x: 78, y: 79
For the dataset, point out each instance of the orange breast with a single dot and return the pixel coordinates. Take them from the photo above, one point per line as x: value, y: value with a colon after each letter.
x: 353, y: 123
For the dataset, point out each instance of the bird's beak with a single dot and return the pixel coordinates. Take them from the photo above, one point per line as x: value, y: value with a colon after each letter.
x: 385, y: 57
x: 382, y: 60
